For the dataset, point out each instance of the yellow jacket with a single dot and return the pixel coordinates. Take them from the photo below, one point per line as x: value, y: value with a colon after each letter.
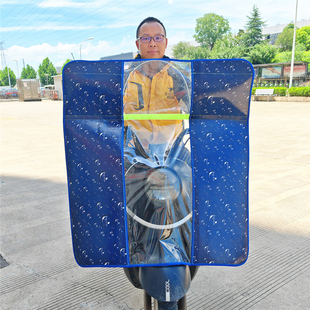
x: 146, y: 95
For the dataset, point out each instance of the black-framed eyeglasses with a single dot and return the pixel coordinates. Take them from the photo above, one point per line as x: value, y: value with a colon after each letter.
x: 155, y: 38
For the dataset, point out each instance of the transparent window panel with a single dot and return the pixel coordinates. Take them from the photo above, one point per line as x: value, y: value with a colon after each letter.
x: 157, y: 158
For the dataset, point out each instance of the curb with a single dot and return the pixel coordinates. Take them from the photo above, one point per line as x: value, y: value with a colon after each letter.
x: 286, y: 99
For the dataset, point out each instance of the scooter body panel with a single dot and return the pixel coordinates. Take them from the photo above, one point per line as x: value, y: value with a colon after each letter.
x: 167, y: 284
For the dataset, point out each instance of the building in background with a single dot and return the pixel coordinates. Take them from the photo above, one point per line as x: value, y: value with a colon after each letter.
x: 121, y: 56
x: 272, y: 32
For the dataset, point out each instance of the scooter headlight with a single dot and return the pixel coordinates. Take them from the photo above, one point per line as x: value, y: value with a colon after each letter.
x: 162, y: 185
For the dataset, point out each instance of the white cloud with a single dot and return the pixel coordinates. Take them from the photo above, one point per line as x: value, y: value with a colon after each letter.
x: 62, y: 3
x: 54, y: 27
x: 59, y: 53
x: 179, y: 36
x: 11, y: 2
x: 35, y: 54
x: 75, y: 4
x: 45, y: 27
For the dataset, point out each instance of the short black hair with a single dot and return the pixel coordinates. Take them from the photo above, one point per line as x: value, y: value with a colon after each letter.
x: 149, y: 20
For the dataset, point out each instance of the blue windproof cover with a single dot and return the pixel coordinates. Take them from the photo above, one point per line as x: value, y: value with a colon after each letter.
x: 157, y: 155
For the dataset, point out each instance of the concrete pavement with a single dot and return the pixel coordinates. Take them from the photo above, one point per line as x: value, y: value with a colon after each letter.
x: 35, y: 227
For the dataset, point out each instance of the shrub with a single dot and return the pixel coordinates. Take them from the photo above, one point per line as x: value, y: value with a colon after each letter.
x: 293, y: 91
x: 279, y: 91
x: 299, y: 91
x: 306, y: 91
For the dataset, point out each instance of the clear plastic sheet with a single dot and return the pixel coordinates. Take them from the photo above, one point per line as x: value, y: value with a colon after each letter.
x: 157, y: 161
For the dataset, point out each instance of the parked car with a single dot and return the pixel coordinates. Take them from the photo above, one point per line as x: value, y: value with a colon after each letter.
x: 9, y: 93
x: 2, y: 93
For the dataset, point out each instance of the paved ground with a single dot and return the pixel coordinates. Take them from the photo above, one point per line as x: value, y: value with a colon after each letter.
x: 35, y: 228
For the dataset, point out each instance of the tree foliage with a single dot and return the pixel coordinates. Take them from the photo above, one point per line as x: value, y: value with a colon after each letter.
x: 303, y: 36
x: 284, y: 40
x: 299, y: 55
x: 253, y: 34
x: 68, y: 60
x: 185, y: 51
x: 198, y: 52
x: 216, y: 41
x: 228, y: 47
x: 261, y: 54
x: 248, y: 44
x: 46, y: 68
x: 28, y: 73
x: 4, y: 77
x: 180, y: 50
x: 306, y: 57
x: 210, y: 28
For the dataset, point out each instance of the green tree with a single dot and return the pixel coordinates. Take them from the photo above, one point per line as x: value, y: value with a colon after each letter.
x: 68, y: 60
x: 303, y: 36
x: 283, y: 57
x: 210, y: 28
x: 4, y: 78
x: 284, y: 40
x: 46, y: 71
x: 228, y: 47
x: 253, y: 34
x: 28, y: 73
x: 179, y: 51
x: 198, y: 52
x: 185, y: 51
x: 261, y: 53
x: 240, y: 33
x: 306, y: 57
x: 300, y: 55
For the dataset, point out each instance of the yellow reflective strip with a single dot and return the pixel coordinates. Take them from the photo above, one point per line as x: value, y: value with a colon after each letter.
x: 128, y: 117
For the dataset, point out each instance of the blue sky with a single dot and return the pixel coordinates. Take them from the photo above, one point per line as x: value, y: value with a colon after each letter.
x: 34, y: 29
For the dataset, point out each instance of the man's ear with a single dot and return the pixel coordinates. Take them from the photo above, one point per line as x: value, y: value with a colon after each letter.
x: 138, y: 44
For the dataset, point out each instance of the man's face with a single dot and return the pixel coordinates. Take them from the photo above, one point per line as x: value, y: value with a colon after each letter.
x: 152, y: 49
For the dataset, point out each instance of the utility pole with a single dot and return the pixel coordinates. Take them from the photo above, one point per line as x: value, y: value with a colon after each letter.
x: 17, y: 68
x: 3, y: 62
x: 9, y: 77
x: 46, y: 78
x: 81, y: 46
x: 293, y: 50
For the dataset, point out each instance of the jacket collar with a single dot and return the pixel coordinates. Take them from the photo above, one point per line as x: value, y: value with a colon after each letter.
x: 139, y: 57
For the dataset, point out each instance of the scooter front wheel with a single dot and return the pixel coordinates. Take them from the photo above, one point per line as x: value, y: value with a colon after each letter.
x: 161, y: 305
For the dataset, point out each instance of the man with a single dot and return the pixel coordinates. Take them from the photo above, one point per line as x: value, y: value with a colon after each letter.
x: 157, y: 91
